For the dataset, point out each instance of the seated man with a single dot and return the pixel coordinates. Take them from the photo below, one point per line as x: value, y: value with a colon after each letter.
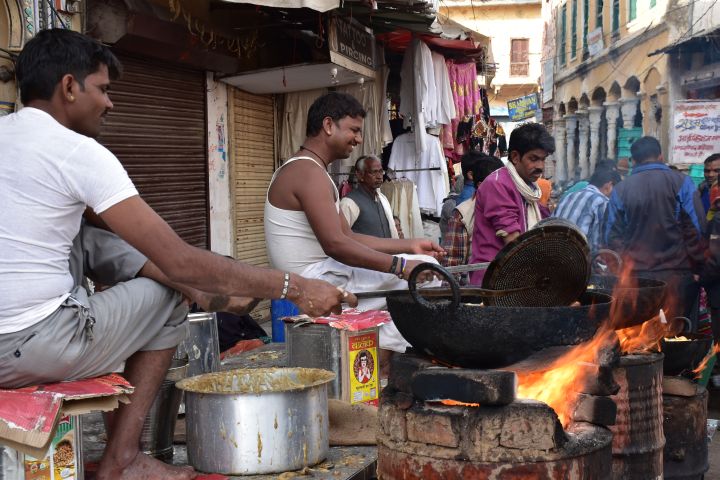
x: 508, y: 201
x: 366, y: 209
x: 52, y: 170
x: 587, y: 208
x: 307, y: 234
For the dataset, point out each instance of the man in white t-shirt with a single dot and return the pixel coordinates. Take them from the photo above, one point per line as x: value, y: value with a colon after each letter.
x: 51, y: 173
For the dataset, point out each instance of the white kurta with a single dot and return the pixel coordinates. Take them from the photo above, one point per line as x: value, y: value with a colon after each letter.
x: 432, y: 185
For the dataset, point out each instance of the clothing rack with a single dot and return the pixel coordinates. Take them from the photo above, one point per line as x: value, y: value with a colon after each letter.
x: 394, y: 171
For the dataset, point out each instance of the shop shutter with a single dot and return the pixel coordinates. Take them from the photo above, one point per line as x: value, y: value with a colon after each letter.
x: 157, y: 130
x: 253, y: 151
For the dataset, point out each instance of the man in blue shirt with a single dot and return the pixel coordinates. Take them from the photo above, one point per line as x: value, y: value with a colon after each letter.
x: 586, y: 207
x: 656, y: 222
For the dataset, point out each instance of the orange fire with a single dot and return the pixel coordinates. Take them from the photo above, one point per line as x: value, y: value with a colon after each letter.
x: 455, y: 403
x: 698, y: 371
x: 557, y: 385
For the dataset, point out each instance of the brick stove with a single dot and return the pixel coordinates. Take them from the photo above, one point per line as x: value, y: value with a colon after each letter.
x: 488, y: 432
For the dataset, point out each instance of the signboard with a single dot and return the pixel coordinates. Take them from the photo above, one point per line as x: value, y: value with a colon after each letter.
x: 695, y: 131
x: 523, y: 108
x: 352, y: 45
x: 595, y: 41
x: 626, y: 137
x: 548, y: 80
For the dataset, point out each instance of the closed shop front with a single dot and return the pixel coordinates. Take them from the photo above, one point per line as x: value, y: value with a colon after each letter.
x: 157, y: 130
x: 253, y: 151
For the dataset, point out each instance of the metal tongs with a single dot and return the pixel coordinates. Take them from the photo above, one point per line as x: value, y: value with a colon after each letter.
x: 464, y: 291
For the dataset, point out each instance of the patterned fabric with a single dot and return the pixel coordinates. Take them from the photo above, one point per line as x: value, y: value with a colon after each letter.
x: 465, y: 90
x: 586, y: 209
x: 456, y: 242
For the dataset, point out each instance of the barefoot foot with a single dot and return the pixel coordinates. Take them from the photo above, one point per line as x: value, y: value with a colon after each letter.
x: 144, y: 467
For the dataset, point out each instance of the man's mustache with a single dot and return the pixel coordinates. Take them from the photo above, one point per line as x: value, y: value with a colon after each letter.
x: 537, y: 170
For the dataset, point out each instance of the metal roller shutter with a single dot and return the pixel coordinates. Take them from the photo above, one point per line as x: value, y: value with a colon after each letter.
x: 157, y: 130
x: 253, y: 129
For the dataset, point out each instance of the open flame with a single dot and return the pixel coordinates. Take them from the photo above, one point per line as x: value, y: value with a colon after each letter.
x: 698, y: 371
x: 558, y: 385
x: 455, y: 403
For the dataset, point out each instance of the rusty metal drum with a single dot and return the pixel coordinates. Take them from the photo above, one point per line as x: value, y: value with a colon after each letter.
x: 685, y: 426
x: 638, y: 438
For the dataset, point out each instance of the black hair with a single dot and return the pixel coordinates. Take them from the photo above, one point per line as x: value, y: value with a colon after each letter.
x: 468, y: 160
x: 56, y: 52
x: 335, y: 105
x: 605, y: 164
x: 645, y: 150
x: 530, y: 136
x: 712, y: 158
x: 484, y: 166
x: 604, y: 175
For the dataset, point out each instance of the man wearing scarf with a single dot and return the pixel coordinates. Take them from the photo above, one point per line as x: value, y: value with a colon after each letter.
x: 508, y: 201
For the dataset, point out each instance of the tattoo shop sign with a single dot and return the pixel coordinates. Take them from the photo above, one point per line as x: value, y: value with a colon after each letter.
x: 522, y: 108
x: 695, y: 131
x: 352, y: 45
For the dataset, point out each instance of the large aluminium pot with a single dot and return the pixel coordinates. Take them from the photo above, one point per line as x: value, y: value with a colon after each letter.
x: 257, y: 421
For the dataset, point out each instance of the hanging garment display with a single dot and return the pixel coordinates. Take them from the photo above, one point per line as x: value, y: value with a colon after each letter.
x: 428, y: 170
x: 465, y: 90
x: 426, y: 99
x: 403, y: 199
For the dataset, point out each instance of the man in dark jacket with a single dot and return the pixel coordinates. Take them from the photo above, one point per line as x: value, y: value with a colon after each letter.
x: 656, y: 221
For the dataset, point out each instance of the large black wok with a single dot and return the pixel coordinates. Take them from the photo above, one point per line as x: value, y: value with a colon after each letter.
x: 637, y: 299
x: 459, y: 331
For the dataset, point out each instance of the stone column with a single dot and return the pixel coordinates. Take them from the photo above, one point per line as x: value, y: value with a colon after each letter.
x: 560, y: 150
x: 595, y: 117
x: 612, y: 112
x: 583, y: 138
x: 571, y: 122
x: 628, y: 109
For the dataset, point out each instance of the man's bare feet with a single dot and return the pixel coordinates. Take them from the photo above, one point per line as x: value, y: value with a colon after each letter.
x: 144, y: 467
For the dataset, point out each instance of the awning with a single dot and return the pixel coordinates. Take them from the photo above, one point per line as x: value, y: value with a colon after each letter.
x: 318, y: 5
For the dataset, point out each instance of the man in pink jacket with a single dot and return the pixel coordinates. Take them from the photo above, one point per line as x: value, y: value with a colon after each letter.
x: 508, y: 201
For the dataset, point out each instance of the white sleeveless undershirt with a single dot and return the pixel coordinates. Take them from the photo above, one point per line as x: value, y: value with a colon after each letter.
x: 291, y: 242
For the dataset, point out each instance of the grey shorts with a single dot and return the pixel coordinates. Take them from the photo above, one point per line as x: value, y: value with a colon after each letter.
x: 91, y: 336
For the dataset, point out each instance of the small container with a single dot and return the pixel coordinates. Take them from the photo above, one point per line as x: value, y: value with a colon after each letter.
x: 156, y: 437
x: 63, y: 461
x: 202, y: 345
x: 351, y: 355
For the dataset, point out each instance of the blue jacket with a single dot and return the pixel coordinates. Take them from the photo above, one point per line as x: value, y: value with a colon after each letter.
x: 656, y: 220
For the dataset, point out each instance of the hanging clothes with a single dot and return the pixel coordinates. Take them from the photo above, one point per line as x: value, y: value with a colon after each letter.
x: 417, y: 90
x: 386, y: 136
x: 465, y: 90
x: 445, y: 105
x: 403, y: 199
x: 432, y: 185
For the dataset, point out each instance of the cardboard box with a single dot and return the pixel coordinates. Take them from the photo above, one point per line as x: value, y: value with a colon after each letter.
x: 31, y: 417
x: 346, y: 344
x: 64, y: 458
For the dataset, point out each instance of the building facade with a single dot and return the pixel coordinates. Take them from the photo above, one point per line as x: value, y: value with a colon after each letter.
x: 607, y: 79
